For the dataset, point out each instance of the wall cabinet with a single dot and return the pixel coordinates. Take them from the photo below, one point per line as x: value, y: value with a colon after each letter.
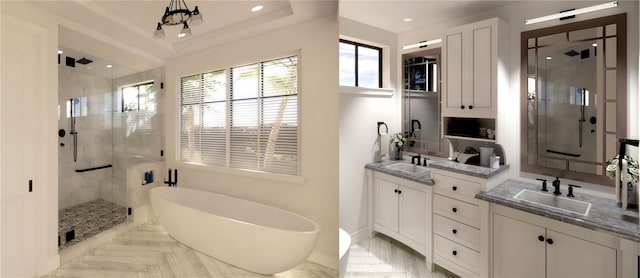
x: 471, y: 70
x: 402, y: 210
x: 549, y: 253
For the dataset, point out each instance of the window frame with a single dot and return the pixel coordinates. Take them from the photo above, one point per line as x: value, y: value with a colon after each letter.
x: 137, y: 85
x: 380, y: 53
x: 226, y: 166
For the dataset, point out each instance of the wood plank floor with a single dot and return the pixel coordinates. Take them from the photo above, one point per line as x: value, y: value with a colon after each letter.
x: 148, y: 251
x: 383, y: 256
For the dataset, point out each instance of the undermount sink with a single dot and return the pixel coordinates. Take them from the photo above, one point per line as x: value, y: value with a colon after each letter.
x: 556, y: 202
x: 406, y: 167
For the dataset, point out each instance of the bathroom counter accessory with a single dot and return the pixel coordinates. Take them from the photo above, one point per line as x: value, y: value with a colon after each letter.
x: 604, y: 215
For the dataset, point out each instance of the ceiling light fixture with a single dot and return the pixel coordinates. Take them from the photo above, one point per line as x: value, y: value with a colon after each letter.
x: 421, y: 44
x: 257, y: 8
x: 177, y: 13
x: 407, y: 19
x: 60, y: 52
x: 572, y: 13
x: 109, y: 66
x: 548, y: 58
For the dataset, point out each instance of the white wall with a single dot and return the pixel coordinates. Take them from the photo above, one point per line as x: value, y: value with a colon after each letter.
x: 316, y: 197
x: 360, y: 110
x: 514, y: 15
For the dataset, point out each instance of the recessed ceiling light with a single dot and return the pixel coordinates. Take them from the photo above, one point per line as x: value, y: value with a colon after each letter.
x: 181, y: 35
x: 109, y: 66
x: 548, y: 58
x: 594, y: 44
x: 60, y: 52
x: 407, y: 19
x: 257, y: 8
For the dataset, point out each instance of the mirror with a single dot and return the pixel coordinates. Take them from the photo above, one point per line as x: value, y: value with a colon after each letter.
x: 421, y: 102
x: 573, y: 98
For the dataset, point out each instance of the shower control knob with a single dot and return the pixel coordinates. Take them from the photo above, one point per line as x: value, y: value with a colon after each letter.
x: 62, y: 133
x: 454, y: 209
x: 454, y: 252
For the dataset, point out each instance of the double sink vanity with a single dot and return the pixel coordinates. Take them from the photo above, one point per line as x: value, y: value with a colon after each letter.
x: 475, y: 222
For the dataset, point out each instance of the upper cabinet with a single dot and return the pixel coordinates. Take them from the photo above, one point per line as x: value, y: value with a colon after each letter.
x: 472, y: 74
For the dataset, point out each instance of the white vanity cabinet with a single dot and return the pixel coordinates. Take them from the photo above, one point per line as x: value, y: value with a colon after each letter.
x: 461, y: 223
x: 526, y: 245
x: 471, y: 70
x: 402, y: 210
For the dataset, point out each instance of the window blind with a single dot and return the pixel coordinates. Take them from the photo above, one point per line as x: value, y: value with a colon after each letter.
x: 264, y: 116
x: 203, y: 118
x: 262, y: 113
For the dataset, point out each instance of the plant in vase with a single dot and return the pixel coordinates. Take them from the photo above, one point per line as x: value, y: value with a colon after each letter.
x: 397, y: 141
x: 631, y: 175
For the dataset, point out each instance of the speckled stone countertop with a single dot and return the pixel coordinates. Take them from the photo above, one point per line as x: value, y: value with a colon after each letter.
x: 436, y: 163
x: 424, y: 177
x: 604, y: 215
x: 466, y: 169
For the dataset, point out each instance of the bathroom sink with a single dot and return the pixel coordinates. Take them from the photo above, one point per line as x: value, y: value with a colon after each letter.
x: 557, y: 202
x: 406, y: 167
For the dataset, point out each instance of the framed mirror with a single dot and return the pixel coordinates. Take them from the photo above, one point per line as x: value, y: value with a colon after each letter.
x: 421, y: 102
x: 574, y: 95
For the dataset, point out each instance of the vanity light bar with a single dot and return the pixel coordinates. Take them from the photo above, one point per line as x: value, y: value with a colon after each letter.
x: 421, y: 44
x: 572, y: 13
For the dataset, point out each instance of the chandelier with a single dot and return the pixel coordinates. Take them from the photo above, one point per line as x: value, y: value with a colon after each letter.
x: 177, y: 13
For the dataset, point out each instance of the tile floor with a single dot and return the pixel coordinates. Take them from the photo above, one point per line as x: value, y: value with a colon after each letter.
x: 148, y: 251
x: 383, y: 256
x: 88, y: 219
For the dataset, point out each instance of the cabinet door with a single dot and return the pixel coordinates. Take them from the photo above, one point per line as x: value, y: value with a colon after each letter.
x: 413, y: 214
x: 482, y: 69
x: 454, y: 72
x: 518, y: 250
x: 19, y: 146
x: 386, y: 204
x: 568, y: 256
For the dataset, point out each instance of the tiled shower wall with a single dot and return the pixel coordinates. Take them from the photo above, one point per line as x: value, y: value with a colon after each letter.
x: 106, y: 135
x: 93, y: 124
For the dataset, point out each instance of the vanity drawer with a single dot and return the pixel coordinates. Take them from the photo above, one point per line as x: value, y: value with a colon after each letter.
x: 456, y: 188
x: 456, y: 231
x: 456, y: 253
x: 457, y: 210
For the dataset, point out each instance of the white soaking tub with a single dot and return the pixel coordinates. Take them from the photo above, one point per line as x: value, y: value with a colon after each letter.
x: 246, y: 234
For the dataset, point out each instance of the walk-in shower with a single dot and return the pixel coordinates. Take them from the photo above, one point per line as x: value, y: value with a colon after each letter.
x: 108, y: 123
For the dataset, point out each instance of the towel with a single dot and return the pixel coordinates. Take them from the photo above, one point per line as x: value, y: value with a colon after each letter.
x: 383, y: 138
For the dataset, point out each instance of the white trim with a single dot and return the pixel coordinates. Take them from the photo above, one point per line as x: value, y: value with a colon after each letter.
x: 325, y: 259
x: 362, y: 91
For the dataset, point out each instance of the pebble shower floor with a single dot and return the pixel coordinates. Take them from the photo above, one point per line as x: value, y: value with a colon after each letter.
x: 88, y: 219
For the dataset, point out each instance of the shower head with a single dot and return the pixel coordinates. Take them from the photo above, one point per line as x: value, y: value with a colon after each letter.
x: 571, y: 53
x: 84, y: 61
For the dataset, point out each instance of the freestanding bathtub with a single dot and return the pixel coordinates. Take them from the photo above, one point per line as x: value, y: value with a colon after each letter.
x: 246, y: 234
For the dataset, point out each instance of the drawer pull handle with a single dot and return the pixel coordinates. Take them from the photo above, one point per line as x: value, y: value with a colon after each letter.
x: 454, y: 231
x: 550, y: 241
x: 455, y: 252
x: 395, y: 190
x: 454, y: 210
x: 454, y: 188
x: 540, y: 238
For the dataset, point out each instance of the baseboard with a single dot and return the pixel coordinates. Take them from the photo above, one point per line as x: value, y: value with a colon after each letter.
x: 360, y: 235
x: 52, y: 264
x: 325, y: 259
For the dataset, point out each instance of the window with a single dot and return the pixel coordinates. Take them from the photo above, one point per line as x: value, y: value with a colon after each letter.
x: 250, y: 124
x: 360, y: 65
x: 141, y: 97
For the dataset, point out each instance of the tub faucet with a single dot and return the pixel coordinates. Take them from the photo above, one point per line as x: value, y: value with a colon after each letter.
x: 170, y: 182
x: 413, y: 159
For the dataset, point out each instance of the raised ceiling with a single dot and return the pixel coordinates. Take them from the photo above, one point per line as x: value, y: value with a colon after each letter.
x: 127, y: 27
x: 390, y: 15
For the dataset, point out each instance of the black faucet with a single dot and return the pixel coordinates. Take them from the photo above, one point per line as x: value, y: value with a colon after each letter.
x: 556, y: 187
x: 172, y: 183
x: 544, y: 184
x: 571, y: 186
x: 413, y: 159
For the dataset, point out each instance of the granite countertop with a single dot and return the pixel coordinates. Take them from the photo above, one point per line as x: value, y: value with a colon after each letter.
x: 424, y: 177
x: 604, y: 215
x: 435, y: 163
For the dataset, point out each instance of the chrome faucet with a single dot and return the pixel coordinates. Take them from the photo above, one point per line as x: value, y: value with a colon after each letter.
x: 556, y: 187
x: 413, y: 159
